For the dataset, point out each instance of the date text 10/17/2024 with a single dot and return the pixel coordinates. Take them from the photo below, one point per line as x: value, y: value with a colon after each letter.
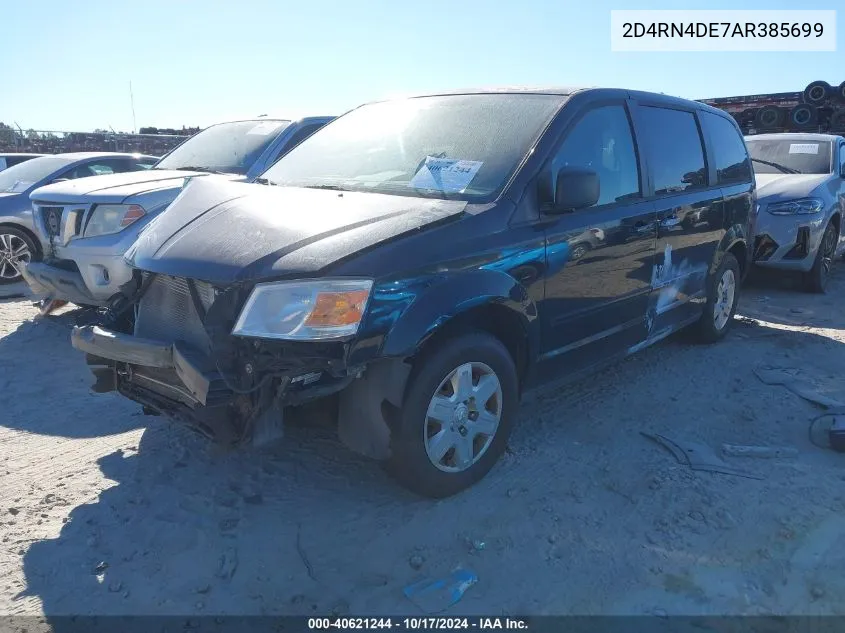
x: 418, y: 623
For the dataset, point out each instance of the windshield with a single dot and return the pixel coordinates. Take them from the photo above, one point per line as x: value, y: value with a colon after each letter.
x: 20, y: 177
x: 230, y: 148
x: 462, y: 146
x: 783, y: 156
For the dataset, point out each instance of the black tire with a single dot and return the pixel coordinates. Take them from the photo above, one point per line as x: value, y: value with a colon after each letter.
x: 840, y: 92
x: 747, y: 116
x: 13, y: 236
x: 409, y: 462
x: 706, y: 329
x: 837, y: 120
x: 769, y: 117
x: 816, y: 279
x: 803, y: 116
x: 817, y: 93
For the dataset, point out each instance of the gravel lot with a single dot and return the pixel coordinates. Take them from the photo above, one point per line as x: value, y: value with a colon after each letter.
x: 105, y: 511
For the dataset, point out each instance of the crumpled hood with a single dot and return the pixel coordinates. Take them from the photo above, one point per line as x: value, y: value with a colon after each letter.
x: 114, y: 188
x: 780, y: 187
x: 223, y: 232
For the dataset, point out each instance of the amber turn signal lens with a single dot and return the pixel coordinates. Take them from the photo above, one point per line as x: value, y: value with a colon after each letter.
x: 134, y: 212
x: 337, y: 308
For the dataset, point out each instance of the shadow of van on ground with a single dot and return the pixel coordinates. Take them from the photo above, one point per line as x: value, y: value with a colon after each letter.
x: 44, y: 382
x: 310, y: 529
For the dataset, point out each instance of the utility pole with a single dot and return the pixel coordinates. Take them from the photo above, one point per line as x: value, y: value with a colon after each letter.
x: 132, y: 101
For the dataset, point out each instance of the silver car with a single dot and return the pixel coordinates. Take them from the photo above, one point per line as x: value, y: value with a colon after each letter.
x: 10, y: 160
x: 87, y: 227
x: 801, y: 202
x: 19, y: 241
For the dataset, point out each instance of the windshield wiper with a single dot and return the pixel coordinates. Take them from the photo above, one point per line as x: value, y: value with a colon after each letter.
x: 207, y: 170
x: 265, y: 181
x: 329, y: 187
x: 783, y: 168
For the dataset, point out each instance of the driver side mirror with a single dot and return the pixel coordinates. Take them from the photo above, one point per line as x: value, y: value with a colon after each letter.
x: 575, y: 188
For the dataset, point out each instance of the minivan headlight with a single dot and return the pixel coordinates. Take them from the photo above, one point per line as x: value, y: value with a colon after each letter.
x: 802, y: 206
x: 313, y: 310
x: 111, y: 218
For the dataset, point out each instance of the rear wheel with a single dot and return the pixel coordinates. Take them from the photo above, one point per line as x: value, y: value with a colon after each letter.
x: 722, y: 299
x: 16, y: 248
x: 457, y: 415
x: 816, y: 279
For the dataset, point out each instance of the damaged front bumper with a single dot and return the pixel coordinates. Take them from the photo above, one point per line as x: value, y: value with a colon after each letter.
x: 184, y: 384
x: 193, y: 383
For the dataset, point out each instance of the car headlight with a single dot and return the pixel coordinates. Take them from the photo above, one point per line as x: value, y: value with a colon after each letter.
x: 802, y: 206
x: 319, y: 309
x: 111, y: 218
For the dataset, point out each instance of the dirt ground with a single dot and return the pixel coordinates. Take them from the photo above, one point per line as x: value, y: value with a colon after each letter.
x: 105, y: 511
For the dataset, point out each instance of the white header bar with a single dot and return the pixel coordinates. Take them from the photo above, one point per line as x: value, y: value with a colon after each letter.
x: 718, y: 30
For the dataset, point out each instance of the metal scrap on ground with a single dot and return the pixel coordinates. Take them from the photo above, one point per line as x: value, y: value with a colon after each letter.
x: 788, y: 377
x: 698, y: 456
x: 735, y: 450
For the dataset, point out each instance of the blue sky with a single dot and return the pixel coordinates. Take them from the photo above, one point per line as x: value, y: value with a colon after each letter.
x: 67, y: 65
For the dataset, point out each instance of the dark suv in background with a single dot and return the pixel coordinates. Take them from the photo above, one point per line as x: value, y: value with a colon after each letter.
x: 416, y: 258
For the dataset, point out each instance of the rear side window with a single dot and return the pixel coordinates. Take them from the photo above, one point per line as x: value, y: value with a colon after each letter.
x: 601, y: 140
x: 729, y: 153
x: 674, y: 149
x: 16, y: 160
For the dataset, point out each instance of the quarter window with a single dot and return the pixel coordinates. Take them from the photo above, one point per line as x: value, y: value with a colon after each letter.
x: 729, y: 153
x: 674, y: 149
x: 601, y: 140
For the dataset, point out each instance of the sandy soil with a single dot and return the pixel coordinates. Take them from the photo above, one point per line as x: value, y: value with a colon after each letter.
x: 105, y: 511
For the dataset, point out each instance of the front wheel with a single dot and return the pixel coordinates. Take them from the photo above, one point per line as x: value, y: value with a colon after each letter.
x: 16, y: 249
x: 722, y: 299
x: 457, y: 415
x: 816, y: 279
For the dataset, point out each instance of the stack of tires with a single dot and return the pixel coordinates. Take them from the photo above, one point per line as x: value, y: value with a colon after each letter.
x: 823, y: 106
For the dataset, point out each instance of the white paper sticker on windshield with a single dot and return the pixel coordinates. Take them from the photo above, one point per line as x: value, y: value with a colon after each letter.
x: 263, y: 129
x: 803, y: 148
x: 448, y: 175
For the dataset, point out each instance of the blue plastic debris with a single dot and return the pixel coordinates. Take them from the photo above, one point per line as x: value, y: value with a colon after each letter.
x: 433, y: 596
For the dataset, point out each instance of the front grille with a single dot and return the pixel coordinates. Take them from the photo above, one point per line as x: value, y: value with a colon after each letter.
x: 52, y: 217
x: 166, y: 312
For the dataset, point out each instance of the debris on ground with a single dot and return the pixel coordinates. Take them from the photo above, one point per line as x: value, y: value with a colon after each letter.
x: 698, y: 456
x: 227, y: 564
x: 736, y: 450
x: 433, y: 596
x: 416, y: 561
x: 303, y: 555
x: 789, y: 378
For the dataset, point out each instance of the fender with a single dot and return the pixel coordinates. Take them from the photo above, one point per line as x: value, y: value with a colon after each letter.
x: 736, y: 234
x: 458, y: 294
x: 424, y: 306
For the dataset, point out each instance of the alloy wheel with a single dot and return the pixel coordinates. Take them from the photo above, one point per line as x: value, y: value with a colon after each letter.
x: 14, y: 251
x: 462, y: 417
x: 725, y: 292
